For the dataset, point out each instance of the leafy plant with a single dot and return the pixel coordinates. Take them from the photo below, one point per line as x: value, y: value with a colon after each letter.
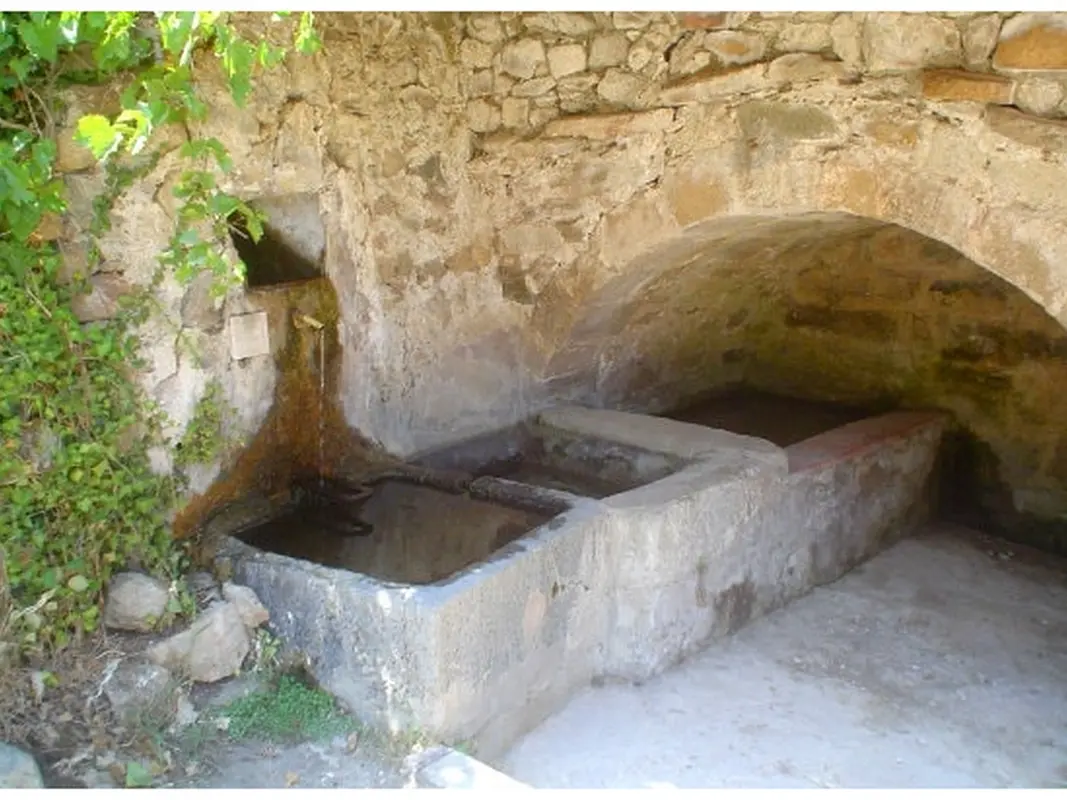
x: 78, y: 496
x: 266, y: 651
x: 289, y: 711
x: 137, y: 776
x: 203, y: 439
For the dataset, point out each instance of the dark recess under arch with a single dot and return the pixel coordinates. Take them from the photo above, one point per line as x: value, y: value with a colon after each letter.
x: 270, y: 261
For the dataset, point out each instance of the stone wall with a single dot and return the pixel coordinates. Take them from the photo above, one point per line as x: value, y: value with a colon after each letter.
x: 493, y: 186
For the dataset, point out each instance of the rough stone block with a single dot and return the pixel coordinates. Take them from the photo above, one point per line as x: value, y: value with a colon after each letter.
x: 475, y: 54
x: 71, y: 156
x: 736, y: 47
x: 694, y: 198
x: 1046, y: 134
x: 566, y: 59
x: 485, y: 27
x: 567, y: 23
x: 578, y: 92
x: 608, y: 50
x: 297, y: 161
x: 979, y: 38
x: 960, y: 86
x: 1039, y: 96
x: 619, y: 87
x: 846, y: 37
x: 102, y: 300
x: 704, y: 21
x: 785, y: 120
x: 610, y: 126
x: 198, y: 308
x: 534, y: 87
x: 480, y: 83
x: 522, y: 58
x: 704, y: 87
x: 515, y: 112
x: 688, y: 55
x: 1033, y: 42
x: 482, y: 116
x: 631, y: 20
x: 805, y: 37
x: 906, y: 41
x: 799, y: 67
x: 249, y: 335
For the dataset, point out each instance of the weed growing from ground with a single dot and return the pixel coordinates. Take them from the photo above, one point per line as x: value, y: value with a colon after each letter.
x: 288, y: 711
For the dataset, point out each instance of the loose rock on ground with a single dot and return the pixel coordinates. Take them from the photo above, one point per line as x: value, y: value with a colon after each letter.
x: 135, y: 602
x: 132, y: 686
x: 18, y: 769
x: 213, y: 647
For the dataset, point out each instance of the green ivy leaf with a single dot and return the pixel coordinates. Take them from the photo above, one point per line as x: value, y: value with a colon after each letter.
x: 307, y: 39
x: 137, y: 777
x: 41, y: 34
x: 68, y: 26
x: 98, y: 134
x: 238, y: 59
x: 176, y: 31
x: 69, y: 524
x: 22, y: 220
x: 78, y: 583
x: 268, y: 55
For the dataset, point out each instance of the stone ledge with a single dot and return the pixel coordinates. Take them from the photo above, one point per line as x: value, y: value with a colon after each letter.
x: 705, y: 86
x: 857, y: 438
x: 445, y: 768
x: 804, y: 67
x: 609, y: 126
x: 956, y: 85
x: 1046, y: 134
x: 660, y: 435
x: 715, y: 83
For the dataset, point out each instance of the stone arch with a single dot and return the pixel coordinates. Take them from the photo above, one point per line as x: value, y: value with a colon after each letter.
x: 832, y: 305
x: 984, y: 185
x: 1010, y: 221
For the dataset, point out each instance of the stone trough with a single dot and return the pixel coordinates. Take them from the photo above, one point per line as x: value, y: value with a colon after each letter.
x: 712, y: 530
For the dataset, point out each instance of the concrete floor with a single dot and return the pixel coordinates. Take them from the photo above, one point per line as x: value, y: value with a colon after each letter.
x: 940, y: 663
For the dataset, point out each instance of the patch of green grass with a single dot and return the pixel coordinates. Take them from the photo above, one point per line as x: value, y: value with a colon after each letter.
x: 289, y: 711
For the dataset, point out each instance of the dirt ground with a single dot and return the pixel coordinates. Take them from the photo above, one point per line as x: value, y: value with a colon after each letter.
x: 78, y: 741
x: 309, y: 765
x: 940, y: 663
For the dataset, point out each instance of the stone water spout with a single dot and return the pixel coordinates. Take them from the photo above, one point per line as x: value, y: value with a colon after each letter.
x: 302, y: 322
x: 305, y: 322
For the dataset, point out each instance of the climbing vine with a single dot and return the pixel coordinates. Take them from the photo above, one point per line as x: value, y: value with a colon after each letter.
x: 78, y: 495
x: 203, y: 439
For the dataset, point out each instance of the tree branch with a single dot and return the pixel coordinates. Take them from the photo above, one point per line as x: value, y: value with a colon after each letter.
x: 15, y: 126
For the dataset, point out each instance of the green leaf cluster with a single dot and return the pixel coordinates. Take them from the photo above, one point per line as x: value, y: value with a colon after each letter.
x: 204, y: 439
x: 79, y: 497
x: 288, y: 711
